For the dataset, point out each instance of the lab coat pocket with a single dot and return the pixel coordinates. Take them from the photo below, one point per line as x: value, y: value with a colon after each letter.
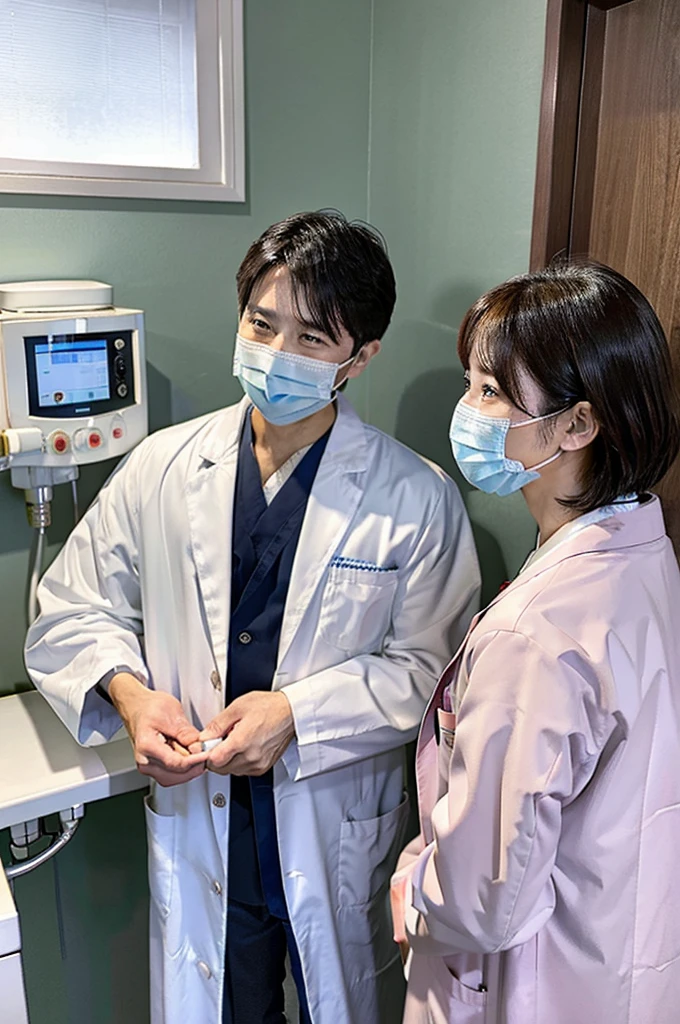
x: 368, y: 853
x: 160, y: 830
x: 356, y: 608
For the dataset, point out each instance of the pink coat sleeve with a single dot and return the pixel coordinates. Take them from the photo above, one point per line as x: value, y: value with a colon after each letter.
x: 529, y: 734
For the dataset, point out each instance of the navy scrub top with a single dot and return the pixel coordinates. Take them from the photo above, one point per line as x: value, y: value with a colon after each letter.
x: 265, y: 539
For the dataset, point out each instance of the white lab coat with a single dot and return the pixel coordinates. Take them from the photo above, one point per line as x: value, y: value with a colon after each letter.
x: 144, y: 581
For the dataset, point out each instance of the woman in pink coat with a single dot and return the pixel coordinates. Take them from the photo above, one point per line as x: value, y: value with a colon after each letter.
x: 544, y: 887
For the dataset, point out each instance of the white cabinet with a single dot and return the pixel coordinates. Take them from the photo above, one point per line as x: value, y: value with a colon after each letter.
x: 13, y: 997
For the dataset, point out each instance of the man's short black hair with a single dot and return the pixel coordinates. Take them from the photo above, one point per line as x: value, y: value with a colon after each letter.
x: 583, y: 332
x: 339, y: 269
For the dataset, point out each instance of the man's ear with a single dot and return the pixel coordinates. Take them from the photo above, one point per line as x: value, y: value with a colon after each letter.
x: 367, y: 352
x: 582, y: 427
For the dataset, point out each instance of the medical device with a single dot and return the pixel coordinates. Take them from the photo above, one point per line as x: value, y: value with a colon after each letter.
x: 72, y: 392
x: 73, y: 388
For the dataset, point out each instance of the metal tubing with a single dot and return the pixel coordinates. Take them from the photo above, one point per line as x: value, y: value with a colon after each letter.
x: 37, y: 557
x: 68, y: 831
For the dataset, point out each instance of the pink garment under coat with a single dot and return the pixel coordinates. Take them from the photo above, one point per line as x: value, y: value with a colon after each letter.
x: 548, y: 865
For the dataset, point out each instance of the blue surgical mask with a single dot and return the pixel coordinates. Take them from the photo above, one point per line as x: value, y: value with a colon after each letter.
x: 478, y: 445
x: 285, y: 387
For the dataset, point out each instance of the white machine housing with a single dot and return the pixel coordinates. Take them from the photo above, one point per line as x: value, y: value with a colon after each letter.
x: 49, y: 296
x: 47, y: 424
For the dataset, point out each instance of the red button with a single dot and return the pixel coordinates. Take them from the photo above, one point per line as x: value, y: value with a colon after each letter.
x: 94, y: 440
x: 60, y: 444
x: 117, y: 432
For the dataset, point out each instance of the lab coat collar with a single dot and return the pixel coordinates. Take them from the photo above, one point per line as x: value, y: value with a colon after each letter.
x: 347, y: 446
x: 221, y: 440
x: 642, y: 525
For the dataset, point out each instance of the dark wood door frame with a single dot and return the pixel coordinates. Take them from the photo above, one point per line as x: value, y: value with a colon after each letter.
x: 568, y: 125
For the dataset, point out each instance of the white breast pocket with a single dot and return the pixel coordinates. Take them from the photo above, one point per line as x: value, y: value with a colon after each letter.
x: 356, y: 608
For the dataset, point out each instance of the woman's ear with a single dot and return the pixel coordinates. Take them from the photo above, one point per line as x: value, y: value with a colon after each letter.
x: 582, y: 427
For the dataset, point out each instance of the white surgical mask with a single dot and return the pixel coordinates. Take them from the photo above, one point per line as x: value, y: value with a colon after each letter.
x: 284, y: 386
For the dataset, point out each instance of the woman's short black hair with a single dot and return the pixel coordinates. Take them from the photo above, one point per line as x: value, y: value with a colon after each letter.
x: 583, y: 332
x: 339, y: 269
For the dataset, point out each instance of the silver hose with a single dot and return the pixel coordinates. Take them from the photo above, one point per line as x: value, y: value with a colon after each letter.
x: 35, y: 570
x: 74, y: 492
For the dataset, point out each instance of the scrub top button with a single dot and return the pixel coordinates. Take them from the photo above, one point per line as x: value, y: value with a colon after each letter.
x: 217, y: 888
x: 215, y: 680
x: 244, y: 638
x: 219, y: 800
x: 204, y: 969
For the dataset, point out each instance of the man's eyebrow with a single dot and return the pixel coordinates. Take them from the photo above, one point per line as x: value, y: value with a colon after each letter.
x: 318, y: 327
x: 269, y: 313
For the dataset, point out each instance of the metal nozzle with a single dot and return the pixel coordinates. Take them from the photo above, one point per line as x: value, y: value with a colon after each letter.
x: 38, y: 507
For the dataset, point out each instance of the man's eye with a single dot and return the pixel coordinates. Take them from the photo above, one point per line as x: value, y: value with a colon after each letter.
x: 261, y: 325
x: 312, y: 338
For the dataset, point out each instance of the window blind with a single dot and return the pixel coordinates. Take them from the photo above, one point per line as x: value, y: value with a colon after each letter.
x: 99, y: 82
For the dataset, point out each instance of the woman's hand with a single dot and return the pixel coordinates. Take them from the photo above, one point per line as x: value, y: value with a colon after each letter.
x: 398, y: 889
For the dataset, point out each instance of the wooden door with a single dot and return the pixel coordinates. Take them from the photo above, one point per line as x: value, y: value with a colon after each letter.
x: 608, y: 175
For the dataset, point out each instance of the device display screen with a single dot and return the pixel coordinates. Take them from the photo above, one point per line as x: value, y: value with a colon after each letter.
x: 73, y: 375
x: 71, y: 371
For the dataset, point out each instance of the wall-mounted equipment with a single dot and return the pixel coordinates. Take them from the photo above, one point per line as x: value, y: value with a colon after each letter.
x: 72, y: 389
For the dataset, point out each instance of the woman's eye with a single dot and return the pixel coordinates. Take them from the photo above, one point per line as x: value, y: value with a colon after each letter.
x: 466, y: 381
x: 488, y: 391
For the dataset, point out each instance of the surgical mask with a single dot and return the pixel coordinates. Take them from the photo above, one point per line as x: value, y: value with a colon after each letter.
x: 285, y: 387
x: 478, y: 445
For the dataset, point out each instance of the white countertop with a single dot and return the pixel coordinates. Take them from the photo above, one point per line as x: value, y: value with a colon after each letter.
x: 43, y: 770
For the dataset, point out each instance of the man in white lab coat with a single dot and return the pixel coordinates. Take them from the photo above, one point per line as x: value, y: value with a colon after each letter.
x: 286, y: 582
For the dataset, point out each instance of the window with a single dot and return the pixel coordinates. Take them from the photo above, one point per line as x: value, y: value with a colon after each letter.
x: 122, y: 98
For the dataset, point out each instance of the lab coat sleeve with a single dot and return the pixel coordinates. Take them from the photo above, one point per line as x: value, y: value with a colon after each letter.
x: 528, y: 738
x: 90, y: 612
x: 374, y: 702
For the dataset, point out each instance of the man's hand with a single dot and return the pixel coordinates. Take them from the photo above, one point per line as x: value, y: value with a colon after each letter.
x: 166, y: 744
x: 257, y: 728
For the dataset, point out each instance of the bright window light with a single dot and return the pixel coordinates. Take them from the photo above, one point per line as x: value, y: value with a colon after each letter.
x: 122, y: 97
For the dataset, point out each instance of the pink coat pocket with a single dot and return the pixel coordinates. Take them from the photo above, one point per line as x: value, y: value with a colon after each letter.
x: 436, y: 996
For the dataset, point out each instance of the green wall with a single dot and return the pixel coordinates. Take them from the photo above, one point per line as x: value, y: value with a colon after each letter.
x: 454, y: 121
x: 421, y: 118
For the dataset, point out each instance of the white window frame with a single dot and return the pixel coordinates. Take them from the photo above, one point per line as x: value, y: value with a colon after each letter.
x: 221, y: 136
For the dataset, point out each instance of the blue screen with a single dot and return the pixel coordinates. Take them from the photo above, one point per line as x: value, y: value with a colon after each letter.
x: 69, y: 372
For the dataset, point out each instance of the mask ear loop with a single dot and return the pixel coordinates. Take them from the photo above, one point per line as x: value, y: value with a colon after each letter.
x: 546, y: 462
x: 340, y: 366
x: 537, y: 419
